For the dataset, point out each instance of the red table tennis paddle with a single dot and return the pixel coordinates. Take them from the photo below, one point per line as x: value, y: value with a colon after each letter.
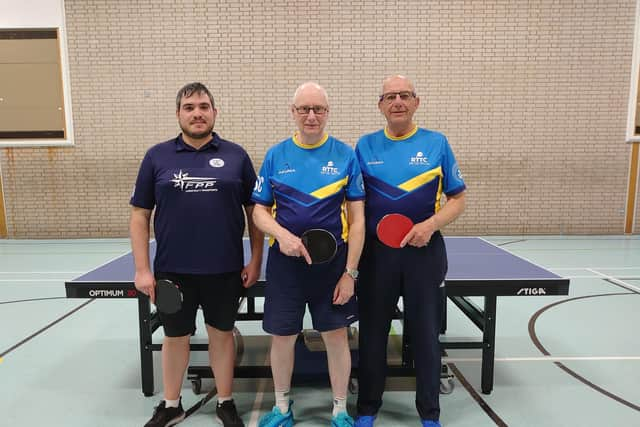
x: 168, y: 296
x: 321, y: 245
x: 392, y: 228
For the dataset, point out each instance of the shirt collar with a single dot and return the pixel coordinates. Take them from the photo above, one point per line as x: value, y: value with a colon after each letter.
x: 183, y: 146
x: 402, y: 137
x: 296, y: 140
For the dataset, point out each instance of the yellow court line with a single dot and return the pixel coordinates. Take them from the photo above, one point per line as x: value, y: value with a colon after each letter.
x: 632, y: 185
x: 3, y: 219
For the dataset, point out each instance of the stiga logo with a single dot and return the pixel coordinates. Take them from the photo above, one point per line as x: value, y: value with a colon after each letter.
x: 419, y: 159
x: 532, y: 291
x: 106, y: 293
x: 192, y: 184
x: 329, y: 169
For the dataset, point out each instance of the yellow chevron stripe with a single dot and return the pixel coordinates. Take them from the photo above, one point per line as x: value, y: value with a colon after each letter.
x: 272, y: 239
x: 438, y: 196
x: 331, y: 189
x: 344, y: 220
x: 421, y: 179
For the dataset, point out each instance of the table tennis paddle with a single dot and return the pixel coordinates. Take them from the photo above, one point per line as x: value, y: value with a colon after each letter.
x: 321, y: 245
x: 392, y: 228
x: 168, y: 296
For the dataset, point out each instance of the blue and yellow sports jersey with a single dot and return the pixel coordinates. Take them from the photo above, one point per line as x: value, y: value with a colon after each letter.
x: 307, y: 186
x: 406, y: 175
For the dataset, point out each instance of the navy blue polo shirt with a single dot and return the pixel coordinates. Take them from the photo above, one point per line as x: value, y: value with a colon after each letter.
x: 198, y: 197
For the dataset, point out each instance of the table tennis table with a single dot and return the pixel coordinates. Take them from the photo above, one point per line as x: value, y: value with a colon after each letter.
x: 477, y: 268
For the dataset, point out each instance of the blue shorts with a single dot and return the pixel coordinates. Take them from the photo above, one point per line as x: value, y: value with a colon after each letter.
x: 292, y: 284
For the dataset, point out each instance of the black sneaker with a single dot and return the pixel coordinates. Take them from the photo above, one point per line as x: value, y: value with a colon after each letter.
x: 165, y: 417
x: 228, y: 415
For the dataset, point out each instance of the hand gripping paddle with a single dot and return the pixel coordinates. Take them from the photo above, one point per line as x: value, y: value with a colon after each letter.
x: 392, y: 228
x: 321, y: 245
x: 168, y: 296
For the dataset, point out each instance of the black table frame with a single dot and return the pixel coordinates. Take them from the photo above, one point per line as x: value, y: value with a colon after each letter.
x: 458, y: 291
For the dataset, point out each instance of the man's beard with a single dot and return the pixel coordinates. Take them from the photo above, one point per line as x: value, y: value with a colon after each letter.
x: 199, y: 135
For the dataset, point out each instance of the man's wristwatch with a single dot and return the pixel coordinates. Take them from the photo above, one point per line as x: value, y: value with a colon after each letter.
x: 352, y: 272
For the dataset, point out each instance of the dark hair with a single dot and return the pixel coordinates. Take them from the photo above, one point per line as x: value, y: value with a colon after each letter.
x: 191, y: 88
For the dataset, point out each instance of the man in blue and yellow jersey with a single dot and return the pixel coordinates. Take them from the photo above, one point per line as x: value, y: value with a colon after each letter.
x: 200, y: 188
x: 406, y: 170
x: 310, y: 181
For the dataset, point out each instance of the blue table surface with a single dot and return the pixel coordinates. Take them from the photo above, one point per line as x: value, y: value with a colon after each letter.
x: 470, y: 258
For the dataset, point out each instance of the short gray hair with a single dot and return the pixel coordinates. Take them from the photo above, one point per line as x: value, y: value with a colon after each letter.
x: 401, y: 77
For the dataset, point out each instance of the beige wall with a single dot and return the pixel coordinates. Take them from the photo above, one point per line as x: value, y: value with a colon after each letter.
x: 533, y: 96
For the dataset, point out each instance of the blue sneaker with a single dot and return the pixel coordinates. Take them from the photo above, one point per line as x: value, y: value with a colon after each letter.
x: 275, y: 418
x: 365, y: 421
x: 342, y: 420
x: 431, y: 423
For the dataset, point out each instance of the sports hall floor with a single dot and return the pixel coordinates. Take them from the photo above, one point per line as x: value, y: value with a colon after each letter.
x: 73, y: 362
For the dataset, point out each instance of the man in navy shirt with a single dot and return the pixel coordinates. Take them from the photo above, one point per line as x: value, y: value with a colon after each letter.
x: 200, y: 187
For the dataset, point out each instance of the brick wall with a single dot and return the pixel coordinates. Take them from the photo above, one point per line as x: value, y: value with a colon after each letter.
x: 532, y: 95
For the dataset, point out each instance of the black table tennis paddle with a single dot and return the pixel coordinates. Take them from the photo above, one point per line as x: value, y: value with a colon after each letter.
x: 321, y: 245
x: 168, y: 296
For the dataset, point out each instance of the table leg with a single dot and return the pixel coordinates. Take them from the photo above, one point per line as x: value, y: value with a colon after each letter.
x: 146, y: 353
x: 488, y: 343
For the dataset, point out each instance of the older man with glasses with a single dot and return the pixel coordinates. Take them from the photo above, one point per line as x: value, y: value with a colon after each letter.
x: 310, y: 181
x: 406, y: 170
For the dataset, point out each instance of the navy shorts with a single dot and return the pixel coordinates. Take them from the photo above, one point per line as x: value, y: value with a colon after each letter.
x: 218, y: 295
x: 292, y: 284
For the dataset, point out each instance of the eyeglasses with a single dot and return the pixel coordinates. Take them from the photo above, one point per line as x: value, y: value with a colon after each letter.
x: 404, y: 95
x: 318, y: 110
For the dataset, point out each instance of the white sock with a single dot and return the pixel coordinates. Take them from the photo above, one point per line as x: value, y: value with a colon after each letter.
x: 339, y: 405
x: 171, y: 403
x: 282, y: 401
x: 224, y: 399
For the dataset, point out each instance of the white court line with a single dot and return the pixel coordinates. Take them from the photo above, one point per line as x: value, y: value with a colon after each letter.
x: 515, y: 254
x: 542, y: 359
x: 616, y: 281
x: 113, y: 259
x: 595, y: 268
x: 31, y: 280
x: 257, y: 404
x: 584, y: 277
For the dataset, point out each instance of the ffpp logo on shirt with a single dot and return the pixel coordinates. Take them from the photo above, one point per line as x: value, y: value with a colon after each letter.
x: 192, y: 184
